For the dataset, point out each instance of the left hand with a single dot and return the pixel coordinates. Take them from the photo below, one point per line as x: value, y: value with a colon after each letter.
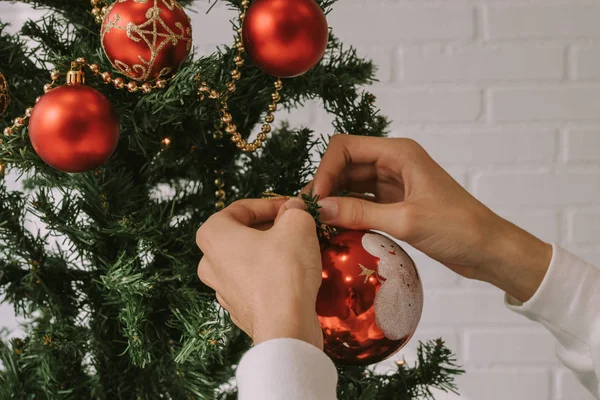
x: 266, y: 273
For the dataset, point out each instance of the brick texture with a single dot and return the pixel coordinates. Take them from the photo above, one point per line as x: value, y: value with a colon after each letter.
x: 553, y: 103
x: 510, y: 346
x: 587, y: 62
x: 538, y: 188
x: 581, y: 145
x: 542, y: 21
x: 502, y: 384
x: 515, y: 62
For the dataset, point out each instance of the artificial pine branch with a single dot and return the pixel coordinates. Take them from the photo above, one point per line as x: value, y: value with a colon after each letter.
x: 435, y: 368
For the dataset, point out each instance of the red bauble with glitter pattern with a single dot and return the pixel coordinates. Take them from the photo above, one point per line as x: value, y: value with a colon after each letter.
x: 146, y: 39
x: 285, y: 38
x: 74, y: 128
x: 371, y: 298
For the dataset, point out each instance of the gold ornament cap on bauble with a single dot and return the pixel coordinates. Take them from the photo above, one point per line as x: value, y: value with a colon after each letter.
x: 4, y: 94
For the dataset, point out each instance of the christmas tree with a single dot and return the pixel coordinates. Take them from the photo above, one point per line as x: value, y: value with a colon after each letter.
x: 109, y: 285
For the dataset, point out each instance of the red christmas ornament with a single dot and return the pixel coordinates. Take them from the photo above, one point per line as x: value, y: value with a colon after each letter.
x: 371, y: 298
x: 285, y: 38
x: 4, y: 94
x: 146, y: 39
x: 74, y: 128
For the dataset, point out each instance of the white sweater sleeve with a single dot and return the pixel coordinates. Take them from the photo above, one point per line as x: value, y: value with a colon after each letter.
x: 568, y: 304
x: 287, y: 369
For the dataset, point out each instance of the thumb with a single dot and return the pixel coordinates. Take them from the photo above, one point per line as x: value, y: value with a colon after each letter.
x: 358, y: 214
x: 292, y: 203
x: 293, y: 216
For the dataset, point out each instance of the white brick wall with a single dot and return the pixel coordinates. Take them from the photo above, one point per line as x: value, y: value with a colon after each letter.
x: 506, y: 95
x: 482, y: 62
x: 586, y: 62
x: 544, y: 20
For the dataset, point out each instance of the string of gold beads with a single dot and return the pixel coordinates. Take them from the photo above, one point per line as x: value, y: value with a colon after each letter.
x: 75, y: 75
x: 237, y: 138
x: 99, y: 10
x: 19, y: 122
x: 220, y: 192
x: 220, y: 195
x: 120, y: 83
x: 205, y: 91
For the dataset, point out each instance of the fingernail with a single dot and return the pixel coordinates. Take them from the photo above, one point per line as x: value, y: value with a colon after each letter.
x: 328, y: 210
x: 296, y: 203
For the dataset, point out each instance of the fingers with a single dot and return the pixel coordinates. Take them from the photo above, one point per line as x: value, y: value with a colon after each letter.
x: 205, y: 273
x: 293, y: 203
x: 233, y: 317
x: 341, y: 151
x: 306, y: 189
x: 353, y: 213
x: 363, y: 196
x: 250, y: 212
x: 389, y: 156
x: 355, y: 177
x: 296, y: 221
x: 294, y: 217
x: 207, y: 277
x: 243, y: 213
x: 263, y: 226
x: 222, y: 301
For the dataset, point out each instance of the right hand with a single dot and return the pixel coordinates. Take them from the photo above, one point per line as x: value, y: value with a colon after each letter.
x: 418, y: 202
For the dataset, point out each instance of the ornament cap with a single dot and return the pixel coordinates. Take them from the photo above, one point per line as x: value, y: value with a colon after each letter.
x: 75, y: 77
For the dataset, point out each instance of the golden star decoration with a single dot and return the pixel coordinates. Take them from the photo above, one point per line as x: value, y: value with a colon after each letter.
x: 366, y: 272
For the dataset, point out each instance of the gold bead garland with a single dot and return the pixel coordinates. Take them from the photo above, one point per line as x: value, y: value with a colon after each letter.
x: 220, y: 192
x: 220, y: 195
x: 120, y: 83
x: 99, y: 10
x: 226, y: 118
x: 4, y: 94
x: 19, y: 121
x: 76, y: 75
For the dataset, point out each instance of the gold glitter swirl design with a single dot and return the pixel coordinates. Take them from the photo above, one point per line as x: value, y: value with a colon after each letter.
x: 4, y: 94
x: 147, y: 32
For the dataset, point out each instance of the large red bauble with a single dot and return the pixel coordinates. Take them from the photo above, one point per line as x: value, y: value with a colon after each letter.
x: 74, y: 128
x: 285, y: 38
x: 371, y: 298
x: 146, y: 39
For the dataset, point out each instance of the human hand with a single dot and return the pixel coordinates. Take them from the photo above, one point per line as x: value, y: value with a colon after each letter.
x: 266, y: 274
x: 418, y: 202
